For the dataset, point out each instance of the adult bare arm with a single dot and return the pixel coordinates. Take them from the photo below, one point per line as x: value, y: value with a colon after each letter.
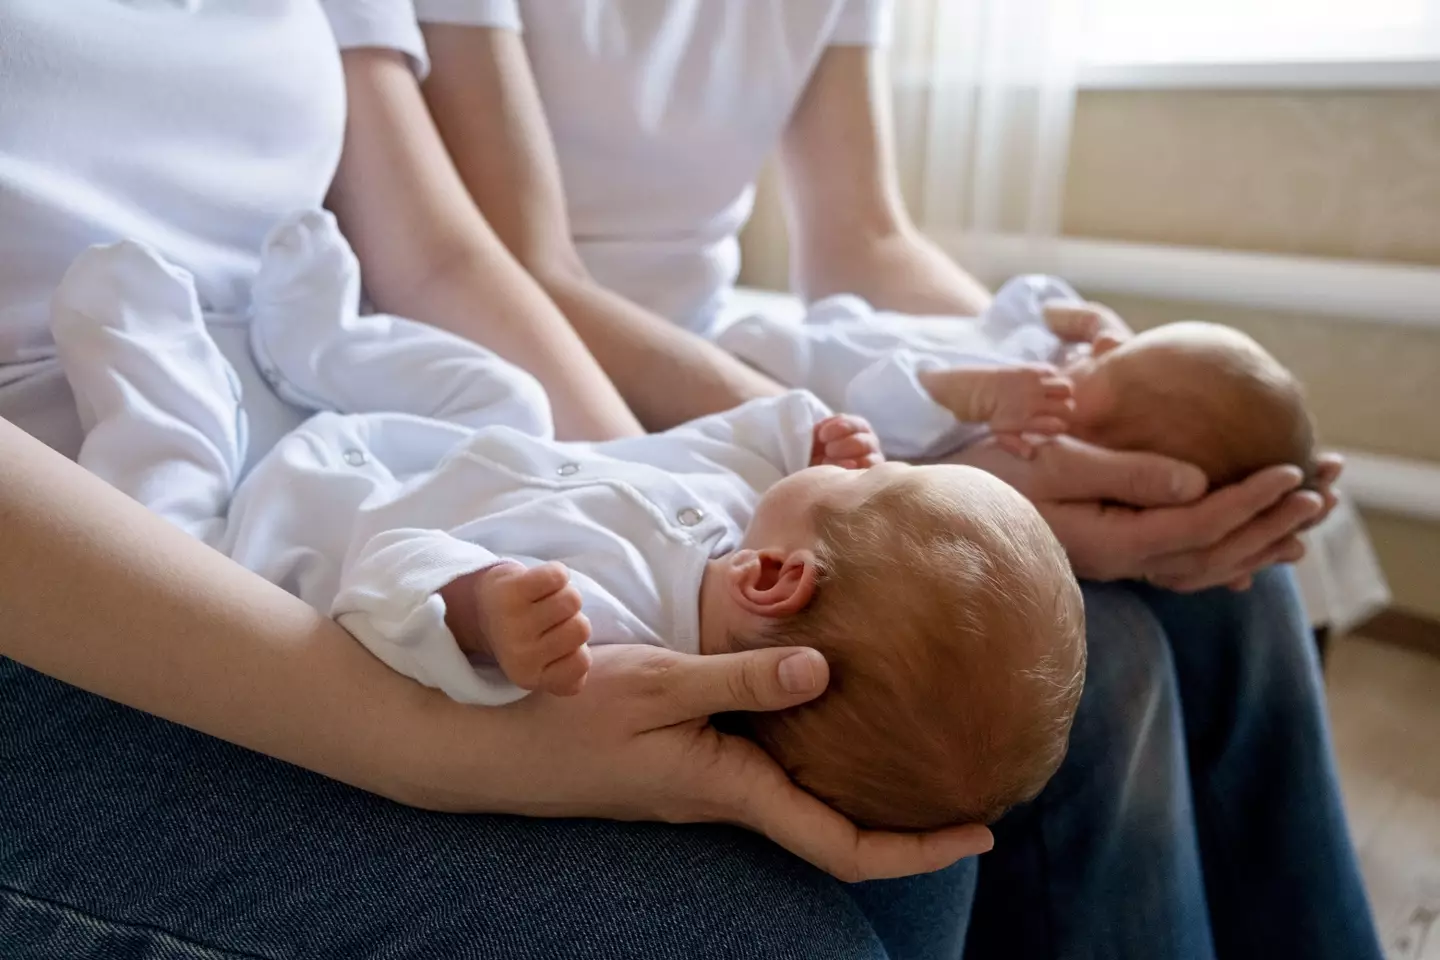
x: 1119, y: 515
x: 849, y: 230
x: 428, y: 253
x: 482, y: 94
x: 98, y: 592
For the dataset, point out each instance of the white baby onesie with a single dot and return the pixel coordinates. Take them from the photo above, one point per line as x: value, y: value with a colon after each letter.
x: 866, y: 362
x: 432, y: 458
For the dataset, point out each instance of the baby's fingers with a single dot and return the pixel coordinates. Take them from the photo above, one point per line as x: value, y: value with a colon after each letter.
x: 1016, y: 445
x: 554, y: 610
x: 566, y: 676
x: 537, y: 583
x: 1058, y: 388
x: 855, y: 448
x: 840, y: 426
x: 1049, y: 425
x: 526, y: 663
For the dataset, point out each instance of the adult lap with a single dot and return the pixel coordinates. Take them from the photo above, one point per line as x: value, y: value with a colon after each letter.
x: 121, y: 832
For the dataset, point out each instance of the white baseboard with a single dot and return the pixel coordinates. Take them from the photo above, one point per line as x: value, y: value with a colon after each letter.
x: 1324, y: 76
x: 1410, y: 488
x: 1349, y: 289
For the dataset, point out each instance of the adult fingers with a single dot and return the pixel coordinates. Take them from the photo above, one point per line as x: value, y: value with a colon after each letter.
x: 1272, y: 534
x: 675, y: 687
x: 1202, y: 525
x: 1289, y: 550
x: 766, y: 801
x: 1328, y: 467
x: 1076, y: 471
x: 1269, y: 539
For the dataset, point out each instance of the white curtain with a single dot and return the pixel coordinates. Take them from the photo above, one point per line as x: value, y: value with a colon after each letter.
x: 984, y: 98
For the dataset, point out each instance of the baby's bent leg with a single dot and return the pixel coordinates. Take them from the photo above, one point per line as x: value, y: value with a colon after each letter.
x: 318, y: 351
x: 159, y: 403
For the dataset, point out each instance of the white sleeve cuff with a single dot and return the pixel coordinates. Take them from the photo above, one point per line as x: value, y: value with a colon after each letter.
x: 389, y: 24
x: 908, y: 421
x: 503, y: 14
x: 864, y: 23
x: 389, y: 601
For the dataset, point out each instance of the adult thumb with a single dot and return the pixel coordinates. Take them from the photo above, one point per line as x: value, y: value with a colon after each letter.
x: 752, y: 681
x: 1132, y: 477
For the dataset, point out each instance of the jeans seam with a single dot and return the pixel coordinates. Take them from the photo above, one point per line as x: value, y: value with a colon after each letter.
x: 66, y: 908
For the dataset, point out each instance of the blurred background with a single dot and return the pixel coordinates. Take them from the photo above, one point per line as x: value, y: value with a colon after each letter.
x: 1269, y: 164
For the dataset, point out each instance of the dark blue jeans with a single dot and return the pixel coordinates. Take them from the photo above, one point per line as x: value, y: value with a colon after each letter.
x: 1200, y: 742
x: 1198, y: 813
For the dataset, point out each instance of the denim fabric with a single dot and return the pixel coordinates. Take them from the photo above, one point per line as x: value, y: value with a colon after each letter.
x: 123, y: 836
x: 1197, y: 815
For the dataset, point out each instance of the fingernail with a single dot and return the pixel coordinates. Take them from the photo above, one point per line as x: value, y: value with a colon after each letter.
x: 798, y: 673
x: 1184, y: 485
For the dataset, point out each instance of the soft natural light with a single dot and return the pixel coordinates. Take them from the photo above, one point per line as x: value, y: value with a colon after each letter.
x: 1240, y: 31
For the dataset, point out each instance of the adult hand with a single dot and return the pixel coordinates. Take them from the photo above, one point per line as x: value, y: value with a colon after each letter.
x: 637, y: 744
x: 1128, y: 515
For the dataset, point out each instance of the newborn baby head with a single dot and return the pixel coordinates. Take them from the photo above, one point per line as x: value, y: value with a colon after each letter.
x: 1198, y: 392
x: 952, y: 625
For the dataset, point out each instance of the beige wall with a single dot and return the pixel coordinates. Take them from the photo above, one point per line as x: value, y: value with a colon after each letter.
x: 1350, y: 175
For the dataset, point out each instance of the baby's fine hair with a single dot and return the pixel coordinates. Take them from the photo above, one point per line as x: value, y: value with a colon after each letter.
x: 1211, y: 396
x: 955, y: 638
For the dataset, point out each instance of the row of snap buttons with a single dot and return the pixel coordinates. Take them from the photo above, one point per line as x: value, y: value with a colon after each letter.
x: 687, y: 517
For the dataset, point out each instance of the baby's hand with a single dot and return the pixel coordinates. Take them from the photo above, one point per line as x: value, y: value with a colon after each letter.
x: 1036, y: 398
x: 1092, y: 323
x: 529, y: 621
x: 845, y: 441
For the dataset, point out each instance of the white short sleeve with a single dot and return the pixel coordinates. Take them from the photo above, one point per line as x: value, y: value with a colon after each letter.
x: 504, y: 14
x: 378, y: 23
x: 863, y: 23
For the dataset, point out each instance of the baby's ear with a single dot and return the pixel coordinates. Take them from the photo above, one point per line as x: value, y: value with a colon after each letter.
x: 1104, y: 344
x: 773, y: 583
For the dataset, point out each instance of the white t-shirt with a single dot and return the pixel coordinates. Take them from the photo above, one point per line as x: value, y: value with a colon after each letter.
x: 663, y: 112
x: 190, y: 125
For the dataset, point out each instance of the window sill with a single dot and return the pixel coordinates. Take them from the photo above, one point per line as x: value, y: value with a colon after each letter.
x: 1293, y: 75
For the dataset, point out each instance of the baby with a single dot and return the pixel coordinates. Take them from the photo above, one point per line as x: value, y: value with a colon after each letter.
x: 429, y: 508
x: 1039, y: 362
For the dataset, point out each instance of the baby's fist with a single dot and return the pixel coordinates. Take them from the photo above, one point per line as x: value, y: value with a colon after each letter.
x: 530, y: 622
x: 845, y: 441
x: 1035, y: 398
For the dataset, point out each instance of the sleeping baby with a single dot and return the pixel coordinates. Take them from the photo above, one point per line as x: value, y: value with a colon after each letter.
x: 428, y: 507
x: 1039, y: 362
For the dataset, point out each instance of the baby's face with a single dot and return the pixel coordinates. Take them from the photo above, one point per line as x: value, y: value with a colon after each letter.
x: 785, y: 515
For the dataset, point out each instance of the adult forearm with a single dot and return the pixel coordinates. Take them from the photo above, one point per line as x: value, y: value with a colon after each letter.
x: 523, y: 325
x: 898, y: 270
x: 100, y: 593
x: 849, y: 227
x: 428, y: 253
x: 666, y: 374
